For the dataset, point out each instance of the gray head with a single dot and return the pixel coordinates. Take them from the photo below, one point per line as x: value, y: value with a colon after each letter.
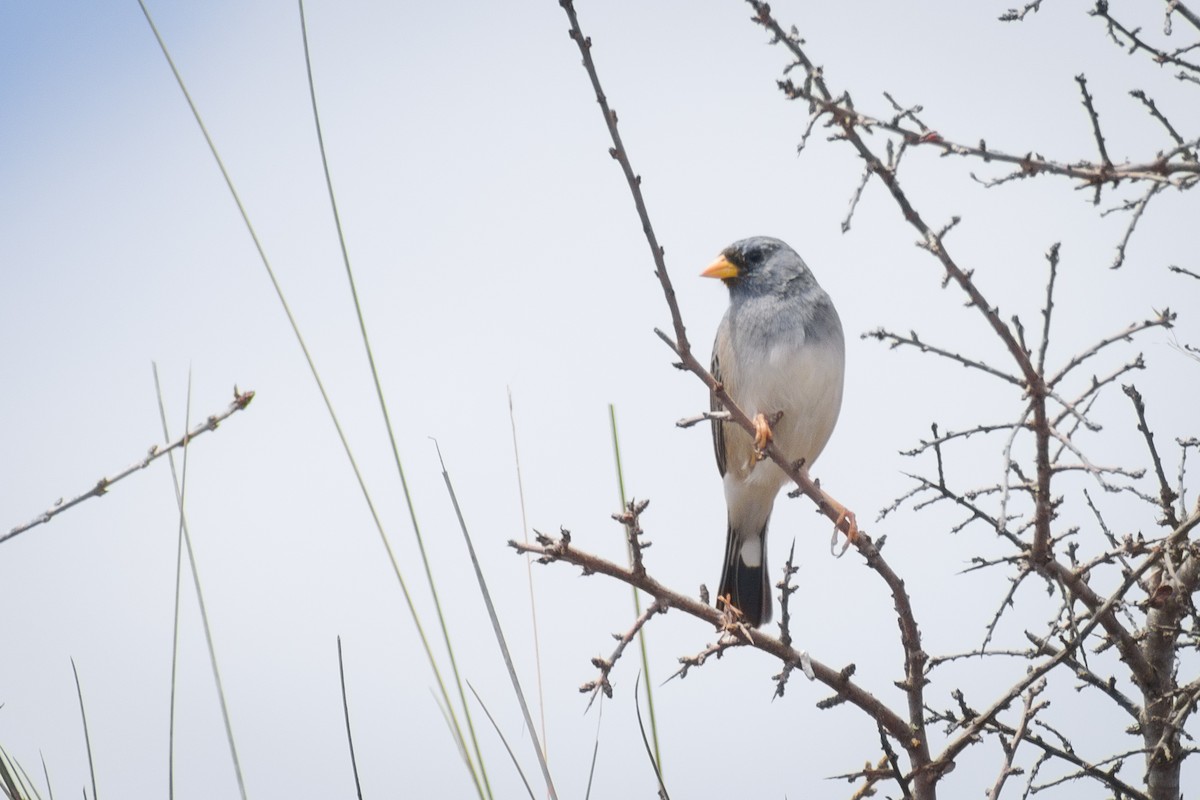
x: 760, y: 265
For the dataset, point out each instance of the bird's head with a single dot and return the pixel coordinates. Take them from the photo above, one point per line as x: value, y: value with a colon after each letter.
x: 757, y: 265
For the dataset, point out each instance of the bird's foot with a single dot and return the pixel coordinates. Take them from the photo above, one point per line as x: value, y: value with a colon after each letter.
x: 762, y: 435
x: 847, y: 516
x: 844, y: 515
x: 732, y: 618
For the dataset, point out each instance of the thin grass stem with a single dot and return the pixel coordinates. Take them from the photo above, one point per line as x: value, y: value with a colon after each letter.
x: 180, y: 485
x: 346, y: 714
x: 387, y: 420
x: 87, y: 739
x: 308, y: 358
x: 503, y: 740
x: 537, y: 647
x: 500, y: 640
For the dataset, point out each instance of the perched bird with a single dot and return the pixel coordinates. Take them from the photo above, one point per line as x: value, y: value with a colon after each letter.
x: 781, y: 356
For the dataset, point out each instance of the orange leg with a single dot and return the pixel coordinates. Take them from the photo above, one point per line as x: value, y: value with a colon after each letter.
x: 843, y: 514
x: 846, y: 515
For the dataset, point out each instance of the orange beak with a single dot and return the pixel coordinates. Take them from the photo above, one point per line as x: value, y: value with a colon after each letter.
x: 722, y: 268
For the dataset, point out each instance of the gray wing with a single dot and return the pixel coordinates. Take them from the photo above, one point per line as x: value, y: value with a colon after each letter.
x: 718, y: 427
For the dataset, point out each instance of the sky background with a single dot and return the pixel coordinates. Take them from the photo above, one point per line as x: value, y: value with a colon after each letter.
x: 496, y: 249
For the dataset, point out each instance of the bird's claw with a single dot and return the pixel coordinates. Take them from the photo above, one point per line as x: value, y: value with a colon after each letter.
x: 762, y: 435
x: 732, y: 618
x: 847, y: 516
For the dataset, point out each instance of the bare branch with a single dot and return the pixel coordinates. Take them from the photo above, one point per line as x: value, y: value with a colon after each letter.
x: 1052, y: 260
x: 1135, y: 42
x: 1183, y: 271
x: 1138, y: 207
x: 1152, y: 107
x: 1166, y: 494
x: 1095, y: 118
x: 240, y: 401
x: 913, y: 340
x: 605, y: 665
x: 704, y: 416
x: 1165, y: 319
x: 1010, y: 746
x: 547, y: 549
x: 1101, y: 613
x: 1015, y: 15
x: 1107, y: 686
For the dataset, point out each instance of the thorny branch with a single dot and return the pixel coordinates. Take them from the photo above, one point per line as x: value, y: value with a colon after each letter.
x: 547, y: 549
x: 1167, y: 569
x: 605, y: 665
x: 1147, y: 652
x: 913, y: 739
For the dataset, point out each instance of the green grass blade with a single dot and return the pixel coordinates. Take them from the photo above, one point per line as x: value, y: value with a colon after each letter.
x: 346, y: 713
x: 455, y: 733
x: 595, y: 749
x: 309, y: 360
x: 387, y: 420
x: 14, y: 783
x: 637, y: 601
x: 180, y: 497
x: 46, y: 772
x: 8, y: 778
x: 662, y: 788
x: 87, y: 739
x: 537, y: 647
x: 26, y: 784
x: 175, y: 618
x: 491, y: 609
x: 503, y: 740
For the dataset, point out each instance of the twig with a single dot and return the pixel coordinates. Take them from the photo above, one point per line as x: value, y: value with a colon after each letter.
x: 1166, y: 494
x: 1013, y: 15
x: 727, y: 641
x: 950, y: 436
x: 1052, y: 260
x: 913, y: 340
x: 240, y: 401
x: 1007, y: 602
x: 560, y: 549
x: 1158, y: 115
x: 1101, y: 613
x: 1083, y: 673
x: 1139, y: 207
x: 1010, y: 747
x: 1178, y: 7
x: 786, y: 590
x: 1095, y: 118
x: 705, y: 416
x: 862, y: 184
x: 605, y: 665
x: 1164, y: 319
x: 630, y: 518
x: 1136, y: 42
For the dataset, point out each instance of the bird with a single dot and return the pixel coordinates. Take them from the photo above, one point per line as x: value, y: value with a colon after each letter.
x: 780, y: 355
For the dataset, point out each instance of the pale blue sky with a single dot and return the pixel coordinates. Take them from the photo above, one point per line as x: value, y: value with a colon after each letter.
x: 496, y: 247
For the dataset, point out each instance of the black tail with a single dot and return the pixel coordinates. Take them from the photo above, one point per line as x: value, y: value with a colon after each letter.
x: 747, y: 588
